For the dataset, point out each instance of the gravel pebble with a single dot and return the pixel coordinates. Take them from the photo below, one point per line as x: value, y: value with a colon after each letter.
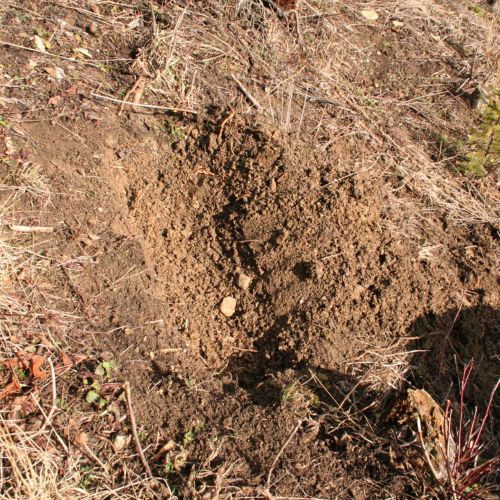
x: 243, y: 281
x: 228, y: 306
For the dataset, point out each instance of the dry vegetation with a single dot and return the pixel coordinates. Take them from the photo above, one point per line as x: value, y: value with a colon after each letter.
x: 333, y: 82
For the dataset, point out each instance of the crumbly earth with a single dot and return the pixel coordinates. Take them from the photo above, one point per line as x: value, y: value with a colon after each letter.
x: 156, y: 217
x: 166, y: 225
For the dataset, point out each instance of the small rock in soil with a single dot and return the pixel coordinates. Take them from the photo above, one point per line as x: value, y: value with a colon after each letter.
x: 228, y: 306
x: 369, y: 14
x: 120, y: 442
x: 243, y: 281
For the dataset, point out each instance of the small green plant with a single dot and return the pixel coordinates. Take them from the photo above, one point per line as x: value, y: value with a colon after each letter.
x: 477, y: 9
x: 174, y: 131
x: 94, y: 395
x: 104, y: 371
x: 62, y: 404
x: 23, y: 18
x: 88, y: 479
x: 483, y: 146
x: 299, y: 395
x: 3, y: 122
x: 188, y: 438
x: 288, y: 393
x: 21, y: 374
x: 190, y: 435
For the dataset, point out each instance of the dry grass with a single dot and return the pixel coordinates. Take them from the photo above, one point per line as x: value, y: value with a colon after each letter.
x: 39, y: 457
x: 312, y: 74
x: 29, y: 470
x: 322, y: 72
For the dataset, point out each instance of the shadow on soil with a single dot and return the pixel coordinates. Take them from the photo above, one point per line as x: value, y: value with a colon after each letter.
x: 449, y: 341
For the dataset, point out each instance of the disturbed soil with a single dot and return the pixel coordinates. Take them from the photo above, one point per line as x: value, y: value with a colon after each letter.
x: 156, y: 217
x: 164, y: 226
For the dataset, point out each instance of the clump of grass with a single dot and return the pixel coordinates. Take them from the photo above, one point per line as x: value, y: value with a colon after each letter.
x: 24, y: 177
x: 30, y: 470
x: 469, y: 475
x: 484, y: 144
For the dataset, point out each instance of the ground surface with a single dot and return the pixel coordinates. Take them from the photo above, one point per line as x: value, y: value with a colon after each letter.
x: 364, y: 281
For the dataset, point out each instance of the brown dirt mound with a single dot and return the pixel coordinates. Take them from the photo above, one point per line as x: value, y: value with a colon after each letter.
x: 178, y: 209
x: 372, y: 264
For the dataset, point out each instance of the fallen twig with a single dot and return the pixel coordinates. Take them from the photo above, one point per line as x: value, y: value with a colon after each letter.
x: 31, y: 229
x: 48, y: 54
x: 248, y: 95
x: 48, y: 418
x: 128, y: 397
x: 426, y: 453
x: 229, y: 117
x: 282, y: 449
x: 148, y: 106
x: 137, y: 89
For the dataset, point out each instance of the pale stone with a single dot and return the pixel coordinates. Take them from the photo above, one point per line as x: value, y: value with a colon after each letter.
x: 228, y: 306
x: 244, y: 281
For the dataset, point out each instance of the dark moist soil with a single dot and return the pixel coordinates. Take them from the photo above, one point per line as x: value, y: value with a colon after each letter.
x: 170, y: 212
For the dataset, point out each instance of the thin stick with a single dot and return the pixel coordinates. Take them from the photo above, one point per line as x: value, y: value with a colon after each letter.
x: 48, y: 54
x: 31, y: 229
x: 85, y: 448
x: 282, y: 449
x: 248, y: 95
x: 48, y: 418
x: 230, y: 116
x: 426, y: 453
x: 149, y: 106
x: 128, y: 397
x: 74, y: 134
x: 139, y: 84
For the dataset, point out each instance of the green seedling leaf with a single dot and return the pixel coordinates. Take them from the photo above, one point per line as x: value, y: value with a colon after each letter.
x: 482, y: 149
x: 92, y: 396
x: 3, y: 122
x: 102, y: 403
x: 100, y: 370
x: 21, y: 374
x: 109, y: 366
x: 188, y: 438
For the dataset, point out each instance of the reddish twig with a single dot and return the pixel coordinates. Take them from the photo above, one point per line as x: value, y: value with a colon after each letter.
x: 128, y: 397
x: 462, y: 462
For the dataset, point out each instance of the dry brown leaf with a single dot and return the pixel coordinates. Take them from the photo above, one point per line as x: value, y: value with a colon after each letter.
x: 54, y: 101
x: 92, y: 115
x: 11, y: 363
x: 139, y: 90
x: 12, y: 388
x: 39, y: 43
x: 66, y: 360
x: 72, y: 360
x: 83, y: 51
x: 82, y: 439
x: 71, y: 90
x: 78, y: 358
x: 369, y: 14
x: 37, y: 362
x: 32, y: 64
x: 24, y: 403
x: 55, y: 73
x: 9, y: 146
